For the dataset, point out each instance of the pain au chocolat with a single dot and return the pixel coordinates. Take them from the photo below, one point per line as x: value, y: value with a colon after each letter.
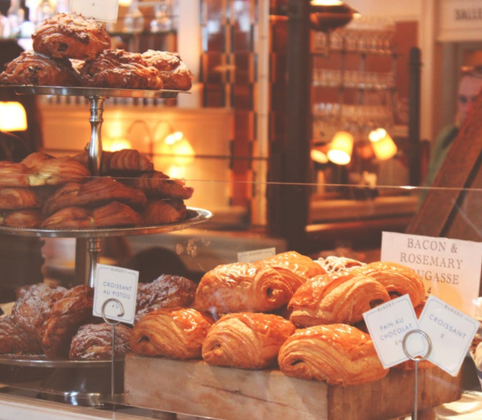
x: 338, y: 354
x: 177, y: 333
x: 246, y: 340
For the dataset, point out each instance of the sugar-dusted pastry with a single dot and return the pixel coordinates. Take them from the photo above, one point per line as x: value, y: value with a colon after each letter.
x: 240, y: 287
x: 31, y: 68
x: 19, y: 198
x: 93, y: 193
x: 332, y: 263
x: 63, y: 319
x: 15, y: 340
x: 120, y: 69
x: 70, y: 35
x: 155, y: 184
x: 174, y: 72
x: 94, y: 342
x: 177, y: 333
x: 397, y: 279
x: 167, y: 291
x: 338, y: 354
x: 339, y: 297
x: 246, y: 340
x: 158, y: 212
x: 24, y: 219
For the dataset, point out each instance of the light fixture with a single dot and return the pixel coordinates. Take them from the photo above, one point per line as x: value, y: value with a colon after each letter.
x: 341, y: 148
x: 12, y: 116
x: 327, y: 15
x: 383, y: 145
x: 115, y: 144
x: 318, y: 154
x: 178, y: 147
x: 125, y: 2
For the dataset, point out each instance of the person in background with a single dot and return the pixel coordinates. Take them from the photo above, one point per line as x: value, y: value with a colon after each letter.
x: 469, y: 87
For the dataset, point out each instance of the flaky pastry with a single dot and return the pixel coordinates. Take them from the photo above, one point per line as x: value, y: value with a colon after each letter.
x: 25, y: 219
x: 158, y: 212
x: 15, y: 340
x: 157, y: 185
x: 174, y: 72
x: 19, y: 198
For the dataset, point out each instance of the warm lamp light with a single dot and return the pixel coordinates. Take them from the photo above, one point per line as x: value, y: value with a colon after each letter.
x: 327, y: 15
x: 383, y: 145
x: 125, y: 2
x: 341, y: 148
x: 318, y: 154
x: 177, y: 146
x: 12, y: 116
x: 114, y: 145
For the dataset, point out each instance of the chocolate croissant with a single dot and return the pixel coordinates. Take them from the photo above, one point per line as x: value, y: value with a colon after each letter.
x: 397, y: 279
x: 246, y: 340
x: 338, y: 354
x: 335, y: 298
x: 244, y: 287
x: 177, y: 333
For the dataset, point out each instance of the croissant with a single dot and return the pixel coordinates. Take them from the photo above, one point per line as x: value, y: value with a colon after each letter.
x: 70, y: 35
x: 14, y: 340
x: 173, y: 71
x: 35, y: 159
x: 24, y: 219
x: 246, y: 340
x: 70, y: 218
x: 177, y: 333
x: 338, y: 354
x: 243, y: 287
x: 19, y: 198
x: 158, y: 212
x: 58, y: 171
x: 335, y: 298
x: 115, y: 214
x: 397, y: 279
x: 94, y: 342
x: 158, y: 185
x: 13, y: 175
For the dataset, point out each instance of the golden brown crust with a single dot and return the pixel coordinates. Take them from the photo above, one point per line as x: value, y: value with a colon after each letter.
x: 15, y: 340
x: 246, y: 340
x: 94, y: 342
x: 19, y: 198
x: 174, y: 72
x: 70, y: 218
x: 58, y: 171
x: 35, y: 159
x: 338, y: 354
x: 155, y: 184
x: 24, y: 219
x: 120, y: 69
x: 71, y: 36
x: 13, y: 174
x: 127, y: 160
x: 167, y: 291
x: 158, y: 212
x: 32, y: 68
x: 240, y: 287
x: 177, y: 333
x: 339, y: 297
x: 397, y: 279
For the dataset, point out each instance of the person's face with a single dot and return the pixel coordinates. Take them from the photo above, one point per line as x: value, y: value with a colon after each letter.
x: 469, y: 88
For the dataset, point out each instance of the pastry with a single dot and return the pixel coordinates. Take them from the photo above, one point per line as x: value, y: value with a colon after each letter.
x: 31, y: 68
x: 13, y: 174
x: 339, y: 297
x: 93, y: 193
x: 167, y: 291
x: 174, y: 72
x: 70, y: 218
x: 70, y: 35
x: 177, y: 333
x: 58, y: 171
x: 397, y: 279
x: 35, y: 159
x: 15, y: 340
x: 155, y: 184
x: 120, y: 69
x: 127, y: 161
x: 63, y: 319
x: 19, y: 198
x: 332, y: 263
x: 244, y: 287
x: 246, y: 340
x: 24, y: 219
x: 94, y: 342
x: 158, y: 212
x: 338, y: 354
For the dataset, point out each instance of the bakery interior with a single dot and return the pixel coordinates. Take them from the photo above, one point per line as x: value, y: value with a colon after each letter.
x: 309, y: 127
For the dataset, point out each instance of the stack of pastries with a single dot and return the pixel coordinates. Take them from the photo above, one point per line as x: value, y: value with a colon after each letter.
x: 70, y: 50
x: 59, y: 193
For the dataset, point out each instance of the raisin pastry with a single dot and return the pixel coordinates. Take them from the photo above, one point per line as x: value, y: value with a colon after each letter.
x: 338, y: 354
x: 246, y: 340
x: 174, y: 72
x: 340, y: 297
x: 94, y: 342
x: 15, y: 340
x: 70, y: 35
x: 177, y: 333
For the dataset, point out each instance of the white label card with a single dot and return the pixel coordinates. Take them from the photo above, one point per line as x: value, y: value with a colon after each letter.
x: 253, y: 256
x: 450, y: 331
x: 119, y: 285
x: 450, y: 268
x: 388, y: 324
x: 104, y: 10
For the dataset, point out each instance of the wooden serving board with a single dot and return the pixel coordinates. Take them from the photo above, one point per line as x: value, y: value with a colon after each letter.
x: 195, y: 388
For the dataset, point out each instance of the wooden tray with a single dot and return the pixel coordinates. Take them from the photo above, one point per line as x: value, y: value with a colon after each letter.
x: 195, y: 388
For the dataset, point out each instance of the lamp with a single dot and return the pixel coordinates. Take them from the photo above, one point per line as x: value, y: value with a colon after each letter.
x: 178, y: 146
x: 327, y: 15
x: 318, y: 154
x: 383, y: 145
x: 125, y: 2
x: 341, y: 148
x: 12, y: 116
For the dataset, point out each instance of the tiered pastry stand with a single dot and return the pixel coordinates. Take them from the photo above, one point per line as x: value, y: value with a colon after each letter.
x: 89, y: 240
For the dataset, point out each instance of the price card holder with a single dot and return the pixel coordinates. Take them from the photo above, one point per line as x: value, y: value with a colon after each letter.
x: 104, y: 10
